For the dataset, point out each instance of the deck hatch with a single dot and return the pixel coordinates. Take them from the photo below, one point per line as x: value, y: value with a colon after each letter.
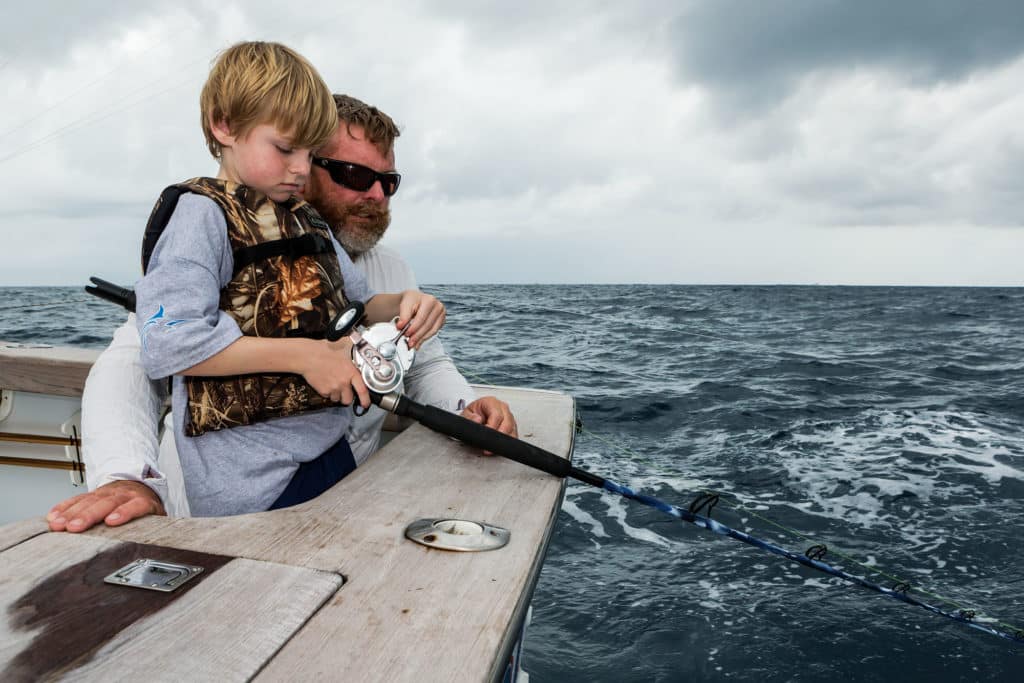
x: 153, y: 575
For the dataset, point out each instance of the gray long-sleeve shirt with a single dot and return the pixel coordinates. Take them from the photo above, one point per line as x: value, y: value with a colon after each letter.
x: 243, y: 469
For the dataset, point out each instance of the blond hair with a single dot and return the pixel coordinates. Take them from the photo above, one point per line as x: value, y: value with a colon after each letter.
x: 254, y: 82
x: 379, y: 128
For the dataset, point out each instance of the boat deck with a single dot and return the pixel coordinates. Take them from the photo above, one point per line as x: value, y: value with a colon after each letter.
x: 330, y: 589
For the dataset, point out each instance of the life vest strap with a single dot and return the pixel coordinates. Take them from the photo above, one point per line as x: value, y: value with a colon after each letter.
x: 293, y: 247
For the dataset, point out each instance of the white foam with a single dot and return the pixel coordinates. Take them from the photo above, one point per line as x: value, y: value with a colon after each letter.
x: 914, y: 474
x: 847, y: 469
x: 585, y: 518
x: 713, y: 595
x: 617, y: 511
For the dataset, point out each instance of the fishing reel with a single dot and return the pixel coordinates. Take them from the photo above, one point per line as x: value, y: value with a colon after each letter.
x: 380, y: 352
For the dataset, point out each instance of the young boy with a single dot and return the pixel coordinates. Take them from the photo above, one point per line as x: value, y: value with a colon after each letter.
x: 240, y: 287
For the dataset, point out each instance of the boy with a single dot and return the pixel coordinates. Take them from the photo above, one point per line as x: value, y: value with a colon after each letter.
x: 242, y: 281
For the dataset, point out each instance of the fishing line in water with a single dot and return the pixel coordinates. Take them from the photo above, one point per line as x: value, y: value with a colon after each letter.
x: 812, y: 558
x: 739, y: 509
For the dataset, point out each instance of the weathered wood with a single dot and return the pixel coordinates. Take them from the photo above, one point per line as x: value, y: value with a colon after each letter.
x: 225, y: 630
x: 16, y: 532
x: 21, y: 568
x: 413, y: 472
x: 394, y: 423
x: 223, y: 625
x: 406, y: 609
x: 408, y: 612
x: 410, y: 609
x: 67, y: 608
x: 59, y: 371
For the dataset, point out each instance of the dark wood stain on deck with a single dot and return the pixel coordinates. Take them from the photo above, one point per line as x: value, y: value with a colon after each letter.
x: 79, y: 613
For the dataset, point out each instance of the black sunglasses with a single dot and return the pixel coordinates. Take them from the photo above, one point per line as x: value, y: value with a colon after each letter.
x: 357, y: 177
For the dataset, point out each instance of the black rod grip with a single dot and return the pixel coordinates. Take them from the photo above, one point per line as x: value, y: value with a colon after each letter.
x: 123, y: 296
x: 492, y: 440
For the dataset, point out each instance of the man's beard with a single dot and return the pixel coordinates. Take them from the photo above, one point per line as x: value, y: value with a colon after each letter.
x: 357, y: 227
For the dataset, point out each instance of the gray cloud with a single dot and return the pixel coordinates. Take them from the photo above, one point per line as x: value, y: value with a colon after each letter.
x: 651, y: 141
x: 76, y: 208
x: 478, y: 164
x: 753, y: 52
x: 48, y: 32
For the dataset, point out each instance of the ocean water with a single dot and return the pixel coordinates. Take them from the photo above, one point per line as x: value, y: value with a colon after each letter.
x: 884, y: 422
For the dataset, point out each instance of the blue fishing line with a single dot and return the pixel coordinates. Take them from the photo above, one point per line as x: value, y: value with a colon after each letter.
x: 897, y: 593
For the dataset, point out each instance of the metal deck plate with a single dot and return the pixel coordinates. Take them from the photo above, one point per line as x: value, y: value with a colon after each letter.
x: 153, y: 575
x: 457, y: 534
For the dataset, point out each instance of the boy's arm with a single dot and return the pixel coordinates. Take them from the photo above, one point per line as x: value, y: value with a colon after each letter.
x: 184, y: 332
x: 327, y: 366
x: 177, y: 302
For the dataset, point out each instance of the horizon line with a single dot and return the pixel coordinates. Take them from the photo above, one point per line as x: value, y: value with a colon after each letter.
x: 635, y: 284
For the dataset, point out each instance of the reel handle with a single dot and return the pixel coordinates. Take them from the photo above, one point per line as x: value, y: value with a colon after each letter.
x: 346, y: 321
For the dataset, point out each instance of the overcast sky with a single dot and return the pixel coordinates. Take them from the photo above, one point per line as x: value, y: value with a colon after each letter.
x: 714, y: 141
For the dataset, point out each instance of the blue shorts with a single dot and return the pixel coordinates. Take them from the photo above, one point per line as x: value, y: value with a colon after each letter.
x: 316, y: 476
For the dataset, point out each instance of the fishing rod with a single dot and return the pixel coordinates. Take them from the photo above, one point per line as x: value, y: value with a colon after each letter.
x: 122, y: 296
x: 382, y: 357
x: 108, y: 291
x: 480, y: 436
x: 382, y: 370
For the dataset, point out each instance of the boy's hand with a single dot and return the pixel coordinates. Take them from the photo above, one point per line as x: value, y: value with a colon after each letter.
x: 115, y: 503
x: 329, y: 370
x: 424, y: 315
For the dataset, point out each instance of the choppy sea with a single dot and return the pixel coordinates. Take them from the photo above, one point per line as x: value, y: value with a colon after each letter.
x: 884, y: 422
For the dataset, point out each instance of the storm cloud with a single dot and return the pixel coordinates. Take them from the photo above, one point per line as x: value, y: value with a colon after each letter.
x: 758, y: 51
x: 701, y: 141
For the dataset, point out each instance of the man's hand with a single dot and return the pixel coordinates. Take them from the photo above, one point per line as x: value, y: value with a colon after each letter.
x: 494, y: 413
x: 115, y: 503
x: 422, y: 313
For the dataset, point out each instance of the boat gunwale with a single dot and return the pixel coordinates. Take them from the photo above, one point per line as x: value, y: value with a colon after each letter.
x: 163, y: 531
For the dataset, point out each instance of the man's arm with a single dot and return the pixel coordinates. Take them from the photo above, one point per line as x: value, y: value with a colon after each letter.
x: 121, y: 410
x: 433, y: 378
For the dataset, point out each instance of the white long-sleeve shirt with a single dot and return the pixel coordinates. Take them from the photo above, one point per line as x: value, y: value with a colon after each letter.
x: 121, y: 406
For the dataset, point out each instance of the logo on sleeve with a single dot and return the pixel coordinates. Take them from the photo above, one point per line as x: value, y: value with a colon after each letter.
x: 158, y: 319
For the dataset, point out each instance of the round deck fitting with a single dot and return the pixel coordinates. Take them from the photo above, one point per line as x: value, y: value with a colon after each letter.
x: 457, y: 534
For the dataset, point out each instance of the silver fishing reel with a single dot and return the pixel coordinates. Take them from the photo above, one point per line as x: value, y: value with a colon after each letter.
x: 380, y: 352
x: 382, y: 355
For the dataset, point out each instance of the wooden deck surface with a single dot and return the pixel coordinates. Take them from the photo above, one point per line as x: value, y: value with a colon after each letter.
x: 405, y: 612
x: 41, y: 369
x: 73, y: 626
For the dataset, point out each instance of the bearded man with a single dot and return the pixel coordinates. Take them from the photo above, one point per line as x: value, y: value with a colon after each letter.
x: 131, y: 474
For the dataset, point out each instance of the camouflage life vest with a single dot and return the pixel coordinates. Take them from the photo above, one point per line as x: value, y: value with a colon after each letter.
x: 286, y: 283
